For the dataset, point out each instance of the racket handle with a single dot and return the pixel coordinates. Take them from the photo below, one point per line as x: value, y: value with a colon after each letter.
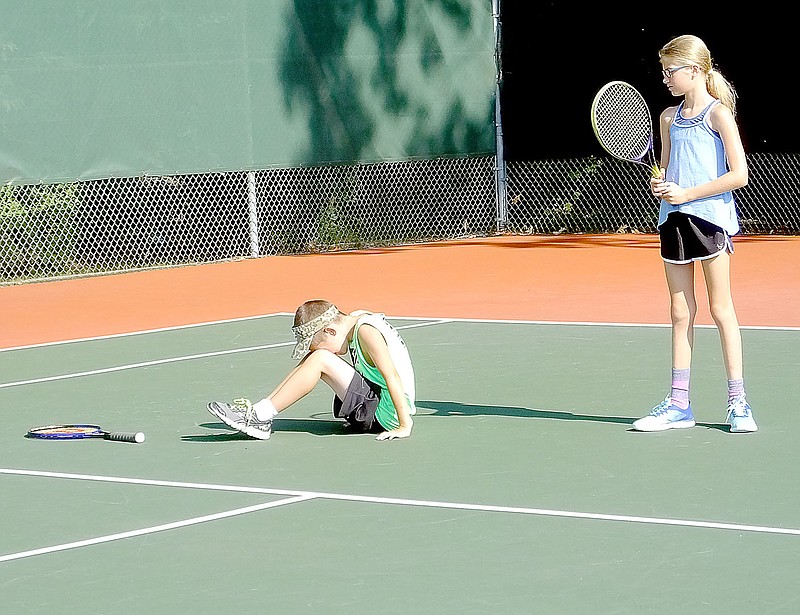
x: 136, y: 438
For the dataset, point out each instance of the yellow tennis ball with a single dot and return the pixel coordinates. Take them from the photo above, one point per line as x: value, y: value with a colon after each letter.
x: 655, y: 171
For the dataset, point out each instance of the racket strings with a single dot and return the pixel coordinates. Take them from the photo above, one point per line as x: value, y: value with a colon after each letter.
x: 67, y: 430
x: 623, y: 123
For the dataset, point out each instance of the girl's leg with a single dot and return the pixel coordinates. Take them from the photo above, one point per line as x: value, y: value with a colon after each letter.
x: 717, y: 275
x: 683, y: 310
x: 675, y: 411
x: 319, y: 365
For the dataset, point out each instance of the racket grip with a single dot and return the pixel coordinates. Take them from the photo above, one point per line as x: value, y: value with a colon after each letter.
x: 136, y: 438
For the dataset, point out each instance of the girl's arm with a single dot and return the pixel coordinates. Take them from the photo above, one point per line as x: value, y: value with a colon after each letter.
x: 664, y: 121
x: 377, y: 352
x: 723, y: 122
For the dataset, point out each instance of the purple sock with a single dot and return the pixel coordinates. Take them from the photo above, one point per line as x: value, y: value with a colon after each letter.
x: 680, y: 388
x: 735, y: 388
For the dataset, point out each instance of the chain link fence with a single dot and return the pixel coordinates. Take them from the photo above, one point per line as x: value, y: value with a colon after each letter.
x: 140, y: 222
x: 120, y: 224
x: 604, y: 195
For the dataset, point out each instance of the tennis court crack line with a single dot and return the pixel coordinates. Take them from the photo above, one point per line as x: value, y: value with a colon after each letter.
x: 295, y: 496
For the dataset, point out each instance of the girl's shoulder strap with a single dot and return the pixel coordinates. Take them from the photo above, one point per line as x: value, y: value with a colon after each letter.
x: 705, y: 115
x: 710, y: 106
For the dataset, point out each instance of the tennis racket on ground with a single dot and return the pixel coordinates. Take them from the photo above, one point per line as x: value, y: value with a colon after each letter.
x: 621, y: 122
x: 79, y: 432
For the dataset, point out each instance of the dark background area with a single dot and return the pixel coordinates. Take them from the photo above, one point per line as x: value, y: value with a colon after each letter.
x: 556, y: 55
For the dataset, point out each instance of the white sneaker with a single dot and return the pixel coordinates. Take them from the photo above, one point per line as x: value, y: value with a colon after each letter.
x: 665, y: 416
x: 740, y: 416
x: 241, y: 416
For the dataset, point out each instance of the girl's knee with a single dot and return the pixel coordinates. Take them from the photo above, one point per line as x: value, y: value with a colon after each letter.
x: 722, y: 312
x: 682, y: 314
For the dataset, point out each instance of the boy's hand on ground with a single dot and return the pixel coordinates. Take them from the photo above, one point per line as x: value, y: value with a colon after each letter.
x: 394, y: 434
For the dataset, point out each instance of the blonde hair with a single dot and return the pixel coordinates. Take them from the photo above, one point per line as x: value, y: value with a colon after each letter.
x: 689, y: 49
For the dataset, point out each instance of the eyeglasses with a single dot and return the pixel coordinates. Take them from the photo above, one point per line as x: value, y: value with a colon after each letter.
x: 668, y: 72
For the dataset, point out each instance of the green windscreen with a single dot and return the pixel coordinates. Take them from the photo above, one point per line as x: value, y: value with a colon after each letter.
x: 109, y: 88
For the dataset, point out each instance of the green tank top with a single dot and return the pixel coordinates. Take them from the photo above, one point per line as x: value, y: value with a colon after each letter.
x: 385, y: 412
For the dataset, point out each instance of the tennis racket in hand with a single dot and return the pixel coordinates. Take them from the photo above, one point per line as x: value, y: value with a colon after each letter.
x: 622, y: 124
x: 81, y: 431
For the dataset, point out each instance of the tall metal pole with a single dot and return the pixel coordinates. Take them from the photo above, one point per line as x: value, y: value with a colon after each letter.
x: 500, y: 163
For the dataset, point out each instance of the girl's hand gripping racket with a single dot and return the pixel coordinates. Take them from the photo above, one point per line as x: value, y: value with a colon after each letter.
x: 78, y: 432
x: 621, y: 122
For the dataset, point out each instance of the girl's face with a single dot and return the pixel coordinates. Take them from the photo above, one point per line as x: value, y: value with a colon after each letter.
x: 678, y: 77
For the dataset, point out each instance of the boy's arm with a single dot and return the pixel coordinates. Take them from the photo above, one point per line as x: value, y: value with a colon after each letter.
x: 377, y: 352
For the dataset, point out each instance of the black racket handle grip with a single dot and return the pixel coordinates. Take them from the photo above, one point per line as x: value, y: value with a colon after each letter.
x: 136, y: 438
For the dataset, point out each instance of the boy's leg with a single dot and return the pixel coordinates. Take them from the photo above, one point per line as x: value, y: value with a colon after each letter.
x: 319, y: 365
x: 256, y: 419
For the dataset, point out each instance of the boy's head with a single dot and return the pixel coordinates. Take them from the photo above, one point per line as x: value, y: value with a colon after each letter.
x: 310, y: 320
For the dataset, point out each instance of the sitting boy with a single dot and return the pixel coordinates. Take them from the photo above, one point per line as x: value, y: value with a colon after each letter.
x: 376, y: 393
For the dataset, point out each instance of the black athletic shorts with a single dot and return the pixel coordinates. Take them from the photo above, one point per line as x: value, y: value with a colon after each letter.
x: 686, y: 238
x: 359, y: 404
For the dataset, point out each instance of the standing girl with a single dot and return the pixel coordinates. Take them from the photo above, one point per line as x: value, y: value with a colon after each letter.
x: 703, y: 161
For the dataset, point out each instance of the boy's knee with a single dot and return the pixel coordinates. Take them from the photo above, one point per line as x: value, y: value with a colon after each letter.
x: 320, y: 354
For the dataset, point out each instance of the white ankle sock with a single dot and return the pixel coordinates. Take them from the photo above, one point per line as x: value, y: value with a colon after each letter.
x: 264, y: 409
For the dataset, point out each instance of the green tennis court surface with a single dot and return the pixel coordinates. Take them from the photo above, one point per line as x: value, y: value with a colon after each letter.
x: 522, y: 489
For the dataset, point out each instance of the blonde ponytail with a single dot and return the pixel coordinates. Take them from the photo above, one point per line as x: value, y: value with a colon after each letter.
x: 721, y: 89
x: 691, y: 50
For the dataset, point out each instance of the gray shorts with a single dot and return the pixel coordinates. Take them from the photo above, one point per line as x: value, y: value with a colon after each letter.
x: 686, y: 238
x: 359, y: 404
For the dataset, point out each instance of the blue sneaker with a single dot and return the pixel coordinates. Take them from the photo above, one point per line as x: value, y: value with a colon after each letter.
x: 740, y: 416
x: 666, y: 416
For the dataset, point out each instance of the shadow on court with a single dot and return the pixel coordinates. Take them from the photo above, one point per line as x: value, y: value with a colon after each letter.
x: 453, y: 408
x: 327, y: 427
x: 314, y: 427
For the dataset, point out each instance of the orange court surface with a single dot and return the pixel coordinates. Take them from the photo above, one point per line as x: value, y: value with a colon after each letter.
x: 585, y: 278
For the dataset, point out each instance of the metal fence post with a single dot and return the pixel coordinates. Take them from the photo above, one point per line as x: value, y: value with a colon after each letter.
x: 252, y: 213
x: 500, y: 162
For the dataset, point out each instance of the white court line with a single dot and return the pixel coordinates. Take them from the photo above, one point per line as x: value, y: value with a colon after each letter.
x: 430, y: 318
x: 204, y: 355
x: 427, y: 322
x: 119, y: 368
x: 151, y: 530
x: 569, y: 514
x: 144, y: 331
